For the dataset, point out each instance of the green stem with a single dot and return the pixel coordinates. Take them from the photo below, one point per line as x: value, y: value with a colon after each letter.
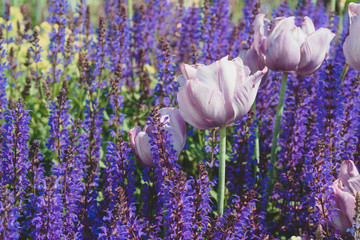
x: 221, y: 187
x: 333, y: 5
x: 257, y: 144
x: 280, y: 108
x: 344, y: 72
x: 341, y: 22
x: 200, y: 138
x: 130, y: 11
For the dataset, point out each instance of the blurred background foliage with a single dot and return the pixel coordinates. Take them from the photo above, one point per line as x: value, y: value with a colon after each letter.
x: 39, y: 7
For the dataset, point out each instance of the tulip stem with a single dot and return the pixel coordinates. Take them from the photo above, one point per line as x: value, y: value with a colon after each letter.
x: 130, y: 12
x: 221, y: 186
x: 279, y: 112
x: 333, y: 5
x: 344, y: 72
x: 257, y: 144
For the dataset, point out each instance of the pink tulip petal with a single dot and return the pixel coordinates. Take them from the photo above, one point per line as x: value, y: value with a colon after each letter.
x: 188, y: 71
x: 286, y: 24
x: 209, y: 102
x: 340, y: 222
x: 284, y: 53
x: 246, y: 94
x: 209, y: 75
x: 260, y: 33
x: 351, y: 45
x: 143, y: 149
x: 181, y: 80
x: 354, y: 10
x: 354, y: 184
x: 340, y: 219
x: 251, y: 60
x: 347, y: 170
x: 189, y: 112
x: 308, y: 26
x: 132, y: 135
x: 148, y: 129
x: 346, y: 203
x: 227, y: 77
x: 177, y: 127
x: 299, y: 35
x: 314, y: 50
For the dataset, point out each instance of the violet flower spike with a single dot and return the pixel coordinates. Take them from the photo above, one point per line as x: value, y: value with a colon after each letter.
x: 139, y: 139
x: 217, y: 94
x: 351, y: 45
x: 283, y: 46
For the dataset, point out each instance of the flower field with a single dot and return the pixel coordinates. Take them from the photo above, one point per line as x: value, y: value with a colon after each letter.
x: 165, y: 119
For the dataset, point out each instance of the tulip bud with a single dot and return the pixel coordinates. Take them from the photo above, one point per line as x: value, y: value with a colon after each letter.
x: 344, y: 191
x: 174, y: 125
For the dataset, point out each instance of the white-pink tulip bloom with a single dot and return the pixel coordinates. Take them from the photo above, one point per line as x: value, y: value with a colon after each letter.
x: 283, y: 46
x: 217, y: 94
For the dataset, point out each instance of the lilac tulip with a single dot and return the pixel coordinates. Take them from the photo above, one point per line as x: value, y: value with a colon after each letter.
x: 174, y: 125
x: 345, y: 189
x: 254, y: 62
x: 282, y: 46
x: 217, y: 94
x: 352, y: 42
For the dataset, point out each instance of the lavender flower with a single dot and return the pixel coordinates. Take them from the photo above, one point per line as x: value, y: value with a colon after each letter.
x: 14, y: 150
x: 58, y: 10
x: 59, y: 121
x: 9, y: 225
x: 202, y: 187
x: 47, y: 221
x: 3, y: 69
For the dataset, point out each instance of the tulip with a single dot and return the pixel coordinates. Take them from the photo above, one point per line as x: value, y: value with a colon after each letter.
x: 282, y: 46
x: 352, y: 42
x: 345, y: 189
x: 217, y: 94
x: 174, y: 125
x: 214, y: 96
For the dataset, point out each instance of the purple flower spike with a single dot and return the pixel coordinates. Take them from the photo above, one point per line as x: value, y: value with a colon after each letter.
x: 282, y: 46
x: 352, y: 42
x: 173, y: 124
x: 217, y: 94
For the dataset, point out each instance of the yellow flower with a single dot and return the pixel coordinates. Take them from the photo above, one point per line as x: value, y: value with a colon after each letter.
x: 150, y: 69
x: 15, y: 14
x: 45, y: 27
